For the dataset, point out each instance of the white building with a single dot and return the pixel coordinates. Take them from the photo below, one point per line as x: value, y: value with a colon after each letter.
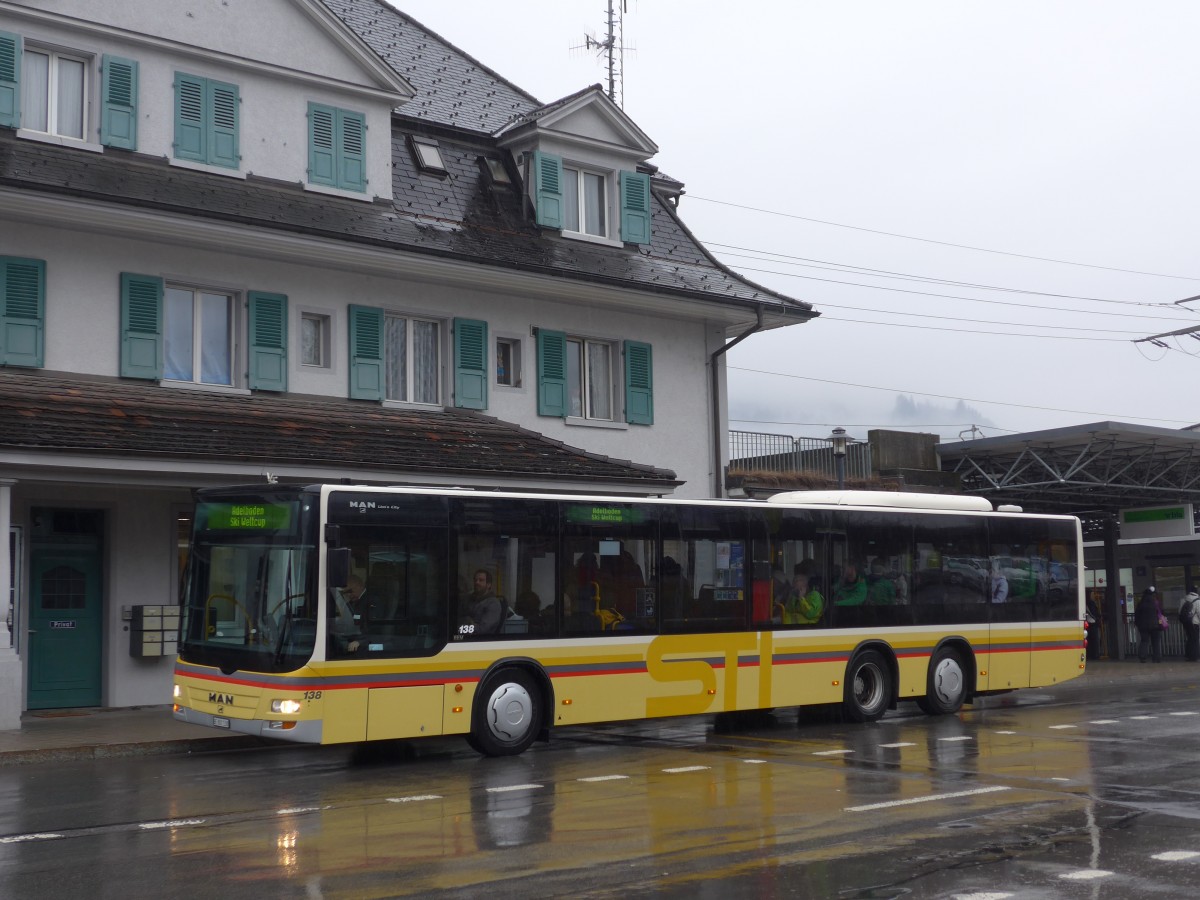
x: 310, y: 239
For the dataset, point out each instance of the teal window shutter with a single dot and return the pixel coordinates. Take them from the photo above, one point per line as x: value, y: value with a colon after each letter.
x: 22, y: 311
x: 10, y: 80
x: 639, y: 383
x: 635, y: 208
x: 268, y: 341
x: 322, y: 160
x: 470, y: 364
x: 366, y: 353
x: 547, y: 186
x: 352, y: 136
x: 118, y: 100
x: 141, y: 326
x: 223, y: 124
x: 337, y: 155
x: 552, y: 373
x: 190, y: 127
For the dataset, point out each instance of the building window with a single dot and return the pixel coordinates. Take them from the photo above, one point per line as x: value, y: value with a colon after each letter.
x: 314, y: 340
x: 53, y: 88
x: 508, y: 362
x: 584, y: 203
x: 412, y: 355
x: 589, y: 379
x: 198, y: 335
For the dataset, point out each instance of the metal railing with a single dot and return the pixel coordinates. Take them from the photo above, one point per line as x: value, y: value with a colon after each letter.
x: 756, y: 451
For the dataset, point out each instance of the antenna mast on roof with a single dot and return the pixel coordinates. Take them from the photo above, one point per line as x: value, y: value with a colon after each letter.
x: 612, y: 47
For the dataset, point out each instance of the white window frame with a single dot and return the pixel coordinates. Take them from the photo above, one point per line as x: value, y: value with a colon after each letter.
x: 235, y: 304
x: 573, y: 175
x: 51, y: 134
x: 324, y: 325
x: 579, y: 348
x: 515, y: 352
x: 410, y: 357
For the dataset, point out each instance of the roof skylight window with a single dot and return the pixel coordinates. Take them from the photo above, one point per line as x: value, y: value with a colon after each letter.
x: 428, y: 155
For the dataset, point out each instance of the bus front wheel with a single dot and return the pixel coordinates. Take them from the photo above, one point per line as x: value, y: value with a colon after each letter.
x: 946, y: 687
x: 507, y: 714
x: 868, y: 689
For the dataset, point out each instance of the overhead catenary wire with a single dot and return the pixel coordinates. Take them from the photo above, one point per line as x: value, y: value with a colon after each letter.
x: 934, y: 280
x: 910, y: 237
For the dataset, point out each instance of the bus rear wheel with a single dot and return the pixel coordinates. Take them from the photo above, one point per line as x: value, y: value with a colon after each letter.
x: 507, y: 714
x: 946, y: 685
x: 868, y: 689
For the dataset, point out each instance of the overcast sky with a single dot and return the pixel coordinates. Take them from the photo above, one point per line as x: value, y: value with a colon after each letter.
x: 818, y: 140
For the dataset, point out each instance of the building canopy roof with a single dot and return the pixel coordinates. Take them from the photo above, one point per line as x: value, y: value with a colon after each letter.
x: 1086, y: 470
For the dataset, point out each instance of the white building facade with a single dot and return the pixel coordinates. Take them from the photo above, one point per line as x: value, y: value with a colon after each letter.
x: 312, y: 240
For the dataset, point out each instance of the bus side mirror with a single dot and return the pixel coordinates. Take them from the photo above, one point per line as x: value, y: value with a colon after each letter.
x: 337, y: 565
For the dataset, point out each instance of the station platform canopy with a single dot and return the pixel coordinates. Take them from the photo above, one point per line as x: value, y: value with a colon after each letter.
x: 1090, y: 471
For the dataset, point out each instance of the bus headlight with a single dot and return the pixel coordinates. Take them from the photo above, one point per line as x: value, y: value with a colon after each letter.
x: 178, y: 692
x: 285, y: 706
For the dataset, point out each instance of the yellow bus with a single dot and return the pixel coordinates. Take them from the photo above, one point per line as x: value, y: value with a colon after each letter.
x: 336, y: 613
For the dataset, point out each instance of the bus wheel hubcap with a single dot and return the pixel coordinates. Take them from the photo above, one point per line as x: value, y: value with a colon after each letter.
x: 948, y: 680
x: 510, y: 711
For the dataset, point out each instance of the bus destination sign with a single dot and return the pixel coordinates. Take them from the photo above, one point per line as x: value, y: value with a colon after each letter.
x: 246, y: 516
x: 605, y: 515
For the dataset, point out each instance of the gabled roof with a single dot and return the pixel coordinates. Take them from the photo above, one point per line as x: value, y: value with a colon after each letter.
x: 545, y: 118
x: 452, y: 88
x: 53, y: 417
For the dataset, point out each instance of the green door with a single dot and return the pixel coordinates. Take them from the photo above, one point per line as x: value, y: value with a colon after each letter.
x: 64, y: 627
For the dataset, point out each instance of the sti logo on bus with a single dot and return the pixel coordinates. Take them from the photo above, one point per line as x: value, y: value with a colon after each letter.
x: 222, y: 699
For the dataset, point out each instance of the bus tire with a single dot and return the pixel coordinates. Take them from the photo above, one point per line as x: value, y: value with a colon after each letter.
x: 946, y: 684
x: 868, y: 690
x: 507, y: 714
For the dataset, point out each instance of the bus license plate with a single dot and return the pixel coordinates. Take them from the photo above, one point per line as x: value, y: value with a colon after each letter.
x: 220, y: 722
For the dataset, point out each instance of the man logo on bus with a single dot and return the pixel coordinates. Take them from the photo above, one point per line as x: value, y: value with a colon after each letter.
x: 362, y: 504
x: 222, y: 699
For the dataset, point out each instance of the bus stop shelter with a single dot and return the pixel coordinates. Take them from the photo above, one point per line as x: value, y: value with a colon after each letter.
x: 1091, y: 471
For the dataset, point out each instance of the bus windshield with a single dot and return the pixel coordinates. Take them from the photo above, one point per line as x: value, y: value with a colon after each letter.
x: 250, y: 600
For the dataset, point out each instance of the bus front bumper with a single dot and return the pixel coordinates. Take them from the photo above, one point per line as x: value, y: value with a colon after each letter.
x: 299, y: 732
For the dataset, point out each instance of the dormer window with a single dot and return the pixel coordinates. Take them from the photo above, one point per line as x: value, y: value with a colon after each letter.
x: 576, y: 200
x: 428, y: 155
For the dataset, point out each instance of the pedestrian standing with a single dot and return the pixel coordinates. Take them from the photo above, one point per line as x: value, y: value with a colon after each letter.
x: 1093, y: 627
x: 1148, y: 618
x: 1189, y: 618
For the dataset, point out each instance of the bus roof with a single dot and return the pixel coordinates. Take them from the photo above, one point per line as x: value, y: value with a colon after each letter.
x: 893, y: 499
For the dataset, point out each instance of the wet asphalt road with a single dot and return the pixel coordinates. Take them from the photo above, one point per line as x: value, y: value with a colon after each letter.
x: 1071, y: 792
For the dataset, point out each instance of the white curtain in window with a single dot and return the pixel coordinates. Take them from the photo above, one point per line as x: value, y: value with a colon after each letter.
x: 70, y: 98
x: 35, y: 91
x: 310, y: 341
x: 425, y: 362
x: 216, y: 339
x: 575, y: 378
x: 593, y: 203
x: 396, y: 358
x: 178, y: 321
x: 599, y: 381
